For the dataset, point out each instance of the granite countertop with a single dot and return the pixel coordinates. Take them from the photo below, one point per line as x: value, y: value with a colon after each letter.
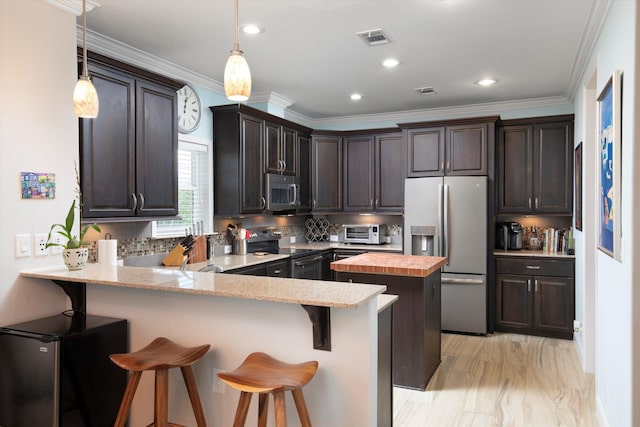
x: 293, y: 291
x: 531, y: 253
x: 390, y: 264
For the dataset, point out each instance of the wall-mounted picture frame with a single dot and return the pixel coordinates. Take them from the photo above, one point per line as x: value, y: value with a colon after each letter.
x: 578, y: 186
x: 609, y: 169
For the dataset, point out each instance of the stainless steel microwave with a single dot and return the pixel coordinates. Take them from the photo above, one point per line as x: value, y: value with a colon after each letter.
x: 369, y: 234
x: 282, y: 192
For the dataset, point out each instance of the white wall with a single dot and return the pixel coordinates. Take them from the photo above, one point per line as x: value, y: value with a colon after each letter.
x: 614, y: 298
x: 38, y: 133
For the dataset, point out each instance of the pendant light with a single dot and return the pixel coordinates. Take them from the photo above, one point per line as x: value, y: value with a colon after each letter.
x: 85, y: 97
x: 237, y: 77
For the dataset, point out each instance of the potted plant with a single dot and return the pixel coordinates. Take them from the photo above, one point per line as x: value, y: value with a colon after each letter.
x: 75, y: 255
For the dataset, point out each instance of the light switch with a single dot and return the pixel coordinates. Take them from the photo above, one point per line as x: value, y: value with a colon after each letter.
x: 23, y: 245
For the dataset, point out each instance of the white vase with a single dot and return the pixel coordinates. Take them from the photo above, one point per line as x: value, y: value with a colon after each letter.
x: 75, y: 259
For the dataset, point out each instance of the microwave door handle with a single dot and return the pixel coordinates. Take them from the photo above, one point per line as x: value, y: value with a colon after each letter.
x: 294, y: 199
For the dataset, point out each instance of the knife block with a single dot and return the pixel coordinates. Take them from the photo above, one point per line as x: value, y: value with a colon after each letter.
x: 199, y: 251
x: 176, y: 257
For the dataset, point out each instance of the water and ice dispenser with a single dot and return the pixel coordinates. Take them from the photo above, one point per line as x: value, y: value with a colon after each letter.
x: 422, y: 237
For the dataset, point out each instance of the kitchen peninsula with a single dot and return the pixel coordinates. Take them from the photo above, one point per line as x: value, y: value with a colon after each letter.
x: 416, y: 315
x: 238, y: 315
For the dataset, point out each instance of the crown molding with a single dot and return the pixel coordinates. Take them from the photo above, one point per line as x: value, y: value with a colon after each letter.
x: 73, y: 6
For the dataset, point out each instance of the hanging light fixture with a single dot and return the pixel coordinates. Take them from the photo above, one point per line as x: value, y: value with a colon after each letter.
x: 85, y: 97
x: 237, y: 77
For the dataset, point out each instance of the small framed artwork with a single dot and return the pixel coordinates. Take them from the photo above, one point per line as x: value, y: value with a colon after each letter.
x: 578, y: 186
x: 609, y: 173
x: 38, y: 185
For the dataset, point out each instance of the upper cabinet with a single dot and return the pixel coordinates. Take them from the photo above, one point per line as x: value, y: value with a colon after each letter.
x: 374, y: 173
x: 247, y: 144
x: 326, y: 173
x: 129, y: 152
x: 452, y: 147
x: 535, y: 165
x: 304, y: 172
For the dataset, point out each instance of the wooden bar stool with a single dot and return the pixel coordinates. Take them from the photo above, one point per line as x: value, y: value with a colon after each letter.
x: 160, y: 356
x: 262, y: 374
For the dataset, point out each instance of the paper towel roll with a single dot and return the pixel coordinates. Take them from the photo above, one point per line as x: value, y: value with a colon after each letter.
x: 108, y: 252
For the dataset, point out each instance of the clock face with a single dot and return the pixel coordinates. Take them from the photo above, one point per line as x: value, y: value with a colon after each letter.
x: 189, y: 109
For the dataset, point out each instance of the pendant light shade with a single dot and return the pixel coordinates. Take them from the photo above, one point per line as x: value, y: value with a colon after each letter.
x: 237, y: 77
x: 85, y: 96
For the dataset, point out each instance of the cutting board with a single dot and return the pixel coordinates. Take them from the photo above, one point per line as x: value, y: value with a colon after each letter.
x: 199, y: 251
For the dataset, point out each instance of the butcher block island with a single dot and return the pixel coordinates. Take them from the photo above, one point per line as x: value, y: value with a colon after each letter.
x: 416, y: 315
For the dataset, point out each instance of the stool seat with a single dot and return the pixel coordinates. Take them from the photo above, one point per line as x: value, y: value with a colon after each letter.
x: 265, y: 375
x: 161, y: 353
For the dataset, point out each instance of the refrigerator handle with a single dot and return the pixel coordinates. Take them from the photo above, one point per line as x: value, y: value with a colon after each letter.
x: 445, y: 234
x: 439, y: 225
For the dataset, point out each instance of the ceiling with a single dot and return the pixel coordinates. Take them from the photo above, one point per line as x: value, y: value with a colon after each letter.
x: 310, y: 55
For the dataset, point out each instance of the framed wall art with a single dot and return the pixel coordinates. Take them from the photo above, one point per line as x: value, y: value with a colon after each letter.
x: 609, y: 173
x: 578, y: 185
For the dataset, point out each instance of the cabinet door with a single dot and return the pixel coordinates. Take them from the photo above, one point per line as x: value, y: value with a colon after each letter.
x: 326, y: 173
x: 425, y: 151
x: 554, y: 306
x: 466, y: 151
x: 390, y: 173
x: 553, y: 168
x: 359, y: 174
x: 513, y: 302
x: 515, y: 183
x: 289, y: 154
x: 278, y: 269
x: 156, y: 150
x: 304, y: 172
x: 251, y: 175
x: 107, y: 148
x: 273, y: 151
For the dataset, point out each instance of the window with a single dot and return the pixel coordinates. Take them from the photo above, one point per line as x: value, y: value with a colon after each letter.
x: 194, y: 189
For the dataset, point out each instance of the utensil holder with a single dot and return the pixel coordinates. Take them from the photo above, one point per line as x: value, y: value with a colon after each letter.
x: 240, y: 247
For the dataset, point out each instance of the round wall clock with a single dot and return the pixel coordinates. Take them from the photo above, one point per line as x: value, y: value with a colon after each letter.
x: 189, y: 109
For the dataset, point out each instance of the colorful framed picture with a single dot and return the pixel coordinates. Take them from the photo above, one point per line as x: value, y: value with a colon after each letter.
x: 578, y: 185
x: 609, y: 173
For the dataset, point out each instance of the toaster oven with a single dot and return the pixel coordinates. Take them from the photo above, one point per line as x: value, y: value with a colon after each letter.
x: 368, y: 234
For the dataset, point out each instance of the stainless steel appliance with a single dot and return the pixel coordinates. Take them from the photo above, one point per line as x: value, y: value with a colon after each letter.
x: 509, y: 235
x: 449, y: 215
x: 282, y: 192
x: 368, y: 234
x: 56, y: 371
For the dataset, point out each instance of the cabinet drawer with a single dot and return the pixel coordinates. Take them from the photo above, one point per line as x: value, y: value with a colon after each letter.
x: 534, y: 266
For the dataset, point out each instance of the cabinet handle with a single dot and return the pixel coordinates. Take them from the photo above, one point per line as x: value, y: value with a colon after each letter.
x: 529, y: 202
x: 375, y: 204
x: 536, y: 203
x: 141, y: 202
x: 277, y: 271
x: 536, y: 282
x: 135, y: 202
x: 442, y: 166
x: 313, y: 203
x: 284, y: 165
x: 533, y: 267
x: 263, y: 203
x: 448, y: 166
x: 528, y: 285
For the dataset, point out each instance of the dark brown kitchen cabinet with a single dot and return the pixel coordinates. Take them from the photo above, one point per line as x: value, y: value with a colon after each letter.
x: 129, y: 152
x: 373, y: 173
x: 326, y: 173
x: 304, y: 172
x: 535, y: 296
x: 281, y: 149
x: 535, y: 166
x: 454, y: 147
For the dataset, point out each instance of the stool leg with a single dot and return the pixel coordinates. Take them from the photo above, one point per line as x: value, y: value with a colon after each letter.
x: 281, y: 410
x: 192, y: 389
x: 243, y: 408
x: 161, y: 406
x: 263, y: 409
x: 129, y: 392
x: 301, y: 405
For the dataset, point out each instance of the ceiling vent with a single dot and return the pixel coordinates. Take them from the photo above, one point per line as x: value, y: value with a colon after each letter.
x: 374, y: 37
x: 427, y: 90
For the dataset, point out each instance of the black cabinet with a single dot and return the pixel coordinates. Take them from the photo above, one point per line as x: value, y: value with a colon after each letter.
x: 535, y: 166
x: 535, y: 296
x: 272, y: 269
x: 281, y: 149
x: 457, y: 147
x: 373, y: 173
x: 129, y: 152
x: 304, y: 172
x: 326, y: 173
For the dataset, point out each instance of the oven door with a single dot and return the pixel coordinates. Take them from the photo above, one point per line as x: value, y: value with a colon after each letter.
x: 307, y: 267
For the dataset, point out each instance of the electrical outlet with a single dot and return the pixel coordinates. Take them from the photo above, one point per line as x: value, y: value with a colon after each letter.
x: 217, y: 385
x: 23, y: 245
x: 40, y: 245
x: 56, y: 249
x: 227, y: 249
x: 293, y: 239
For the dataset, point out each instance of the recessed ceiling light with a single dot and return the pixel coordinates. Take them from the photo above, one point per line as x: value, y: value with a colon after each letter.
x: 390, y: 63
x: 486, y: 82
x: 252, y: 29
x: 356, y: 97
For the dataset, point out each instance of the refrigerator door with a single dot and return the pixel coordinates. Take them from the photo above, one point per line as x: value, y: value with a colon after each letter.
x: 465, y: 224
x: 464, y: 303
x: 421, y: 208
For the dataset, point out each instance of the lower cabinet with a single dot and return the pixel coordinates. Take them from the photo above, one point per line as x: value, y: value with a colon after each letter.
x: 271, y: 269
x: 535, y: 296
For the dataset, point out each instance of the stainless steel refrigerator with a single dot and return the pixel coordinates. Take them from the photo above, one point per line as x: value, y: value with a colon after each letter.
x: 447, y: 216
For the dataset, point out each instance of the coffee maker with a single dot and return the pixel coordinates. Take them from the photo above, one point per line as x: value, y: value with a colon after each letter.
x: 509, y: 235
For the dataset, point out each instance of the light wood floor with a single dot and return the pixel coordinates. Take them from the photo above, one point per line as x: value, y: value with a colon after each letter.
x: 501, y: 380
